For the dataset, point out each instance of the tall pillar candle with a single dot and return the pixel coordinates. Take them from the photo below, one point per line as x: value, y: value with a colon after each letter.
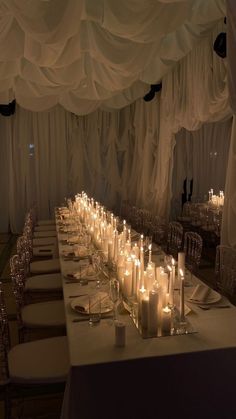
x: 127, y: 284
x: 182, y: 314
x: 153, y: 312
x: 166, y: 321
x: 181, y: 262
x: 144, y: 311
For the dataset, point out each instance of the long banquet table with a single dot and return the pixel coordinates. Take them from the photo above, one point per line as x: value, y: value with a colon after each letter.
x: 189, y: 376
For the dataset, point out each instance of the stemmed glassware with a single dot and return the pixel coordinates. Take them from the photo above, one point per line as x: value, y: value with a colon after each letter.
x: 115, y: 294
x: 96, y: 261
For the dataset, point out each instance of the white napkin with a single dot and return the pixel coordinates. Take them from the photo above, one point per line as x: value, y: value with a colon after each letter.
x: 83, y: 302
x: 86, y: 271
x: 201, y: 293
x: 81, y: 251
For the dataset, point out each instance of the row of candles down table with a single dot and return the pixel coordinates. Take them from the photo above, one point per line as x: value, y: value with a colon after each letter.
x: 148, y: 289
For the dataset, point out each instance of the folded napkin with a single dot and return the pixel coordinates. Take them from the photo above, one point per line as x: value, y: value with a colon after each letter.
x: 87, y: 271
x: 82, y: 303
x: 81, y: 251
x: 201, y: 294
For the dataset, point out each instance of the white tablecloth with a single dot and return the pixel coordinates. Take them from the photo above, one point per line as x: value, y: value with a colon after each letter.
x: 191, y: 374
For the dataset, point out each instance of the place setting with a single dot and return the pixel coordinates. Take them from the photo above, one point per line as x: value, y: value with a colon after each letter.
x: 206, y: 298
x: 92, y: 307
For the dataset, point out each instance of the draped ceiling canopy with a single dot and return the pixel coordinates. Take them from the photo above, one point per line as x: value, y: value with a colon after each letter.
x: 89, y: 54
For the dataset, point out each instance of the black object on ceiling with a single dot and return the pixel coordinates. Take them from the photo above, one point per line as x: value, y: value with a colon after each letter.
x: 9, y: 109
x: 220, y: 45
x: 151, y: 94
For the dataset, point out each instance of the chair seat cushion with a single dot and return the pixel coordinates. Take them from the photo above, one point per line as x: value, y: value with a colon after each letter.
x: 38, y: 234
x: 45, y: 228
x: 45, y: 266
x: 46, y: 222
x: 44, y: 282
x: 44, y: 241
x: 40, y: 361
x: 44, y: 314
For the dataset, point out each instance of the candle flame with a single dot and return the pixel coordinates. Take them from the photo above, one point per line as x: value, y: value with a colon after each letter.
x: 173, y: 261
x: 142, y: 289
x: 166, y: 309
x: 150, y: 247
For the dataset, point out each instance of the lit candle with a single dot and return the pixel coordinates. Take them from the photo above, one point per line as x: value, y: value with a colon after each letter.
x: 173, y: 271
x: 153, y: 312
x: 141, y: 293
x: 129, y: 235
x: 127, y: 284
x: 141, y: 240
x: 181, y: 263
x: 144, y: 311
x: 182, y: 315
x: 166, y: 320
x: 170, y: 289
x: 150, y: 253
x: 135, y: 250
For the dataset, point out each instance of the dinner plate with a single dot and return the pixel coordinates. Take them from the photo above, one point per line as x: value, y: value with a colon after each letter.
x: 76, y: 276
x: 213, y: 298
x: 75, y: 305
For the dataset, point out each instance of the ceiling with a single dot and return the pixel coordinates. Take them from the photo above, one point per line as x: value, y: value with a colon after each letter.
x: 89, y: 54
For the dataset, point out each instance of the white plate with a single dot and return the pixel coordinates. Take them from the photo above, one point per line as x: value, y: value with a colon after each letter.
x: 76, y: 276
x: 75, y: 306
x: 213, y: 298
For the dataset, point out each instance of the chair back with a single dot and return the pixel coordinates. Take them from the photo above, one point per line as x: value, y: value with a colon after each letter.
x: 4, y: 338
x: 174, y: 238
x: 17, y: 277
x: 225, y: 270
x: 192, y: 250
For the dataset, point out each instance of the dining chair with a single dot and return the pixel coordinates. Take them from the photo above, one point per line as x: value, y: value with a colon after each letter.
x: 39, y: 318
x: 175, y: 233
x: 193, y: 250
x: 30, y: 369
x: 42, y: 287
x: 42, y: 266
x: 225, y: 271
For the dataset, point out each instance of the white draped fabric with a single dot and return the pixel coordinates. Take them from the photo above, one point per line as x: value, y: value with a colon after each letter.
x: 228, y: 234
x: 85, y: 54
x: 33, y: 150
x: 122, y: 154
x: 193, y: 93
x: 201, y: 155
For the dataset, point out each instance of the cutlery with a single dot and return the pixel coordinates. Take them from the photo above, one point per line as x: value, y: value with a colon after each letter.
x: 83, y: 319
x: 210, y: 307
x: 80, y: 282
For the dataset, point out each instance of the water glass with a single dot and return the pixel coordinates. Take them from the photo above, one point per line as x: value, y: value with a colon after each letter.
x: 94, y: 309
x: 114, y: 294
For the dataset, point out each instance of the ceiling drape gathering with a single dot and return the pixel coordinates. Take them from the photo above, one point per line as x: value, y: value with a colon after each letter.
x: 86, y: 54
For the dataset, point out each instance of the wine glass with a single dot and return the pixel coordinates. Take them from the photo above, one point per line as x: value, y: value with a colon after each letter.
x: 96, y: 261
x: 114, y: 294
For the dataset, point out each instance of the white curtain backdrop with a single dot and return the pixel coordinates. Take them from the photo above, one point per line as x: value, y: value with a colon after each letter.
x: 228, y: 233
x: 34, y: 167
x: 126, y: 154
x: 201, y: 155
x: 193, y: 93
